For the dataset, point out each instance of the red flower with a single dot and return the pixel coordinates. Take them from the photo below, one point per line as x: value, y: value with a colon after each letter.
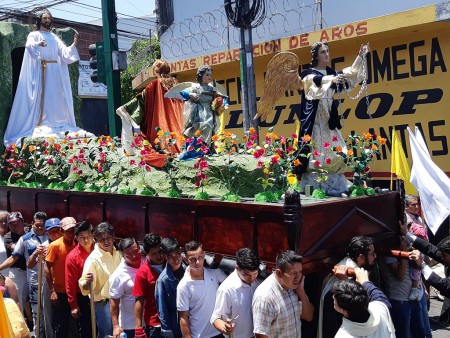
x: 100, y: 169
x: 328, y: 160
x: 258, y: 153
x: 326, y: 145
x: 334, y: 139
x: 50, y: 161
x: 275, y: 160
x: 316, y: 163
x: 316, y: 153
x: 132, y: 162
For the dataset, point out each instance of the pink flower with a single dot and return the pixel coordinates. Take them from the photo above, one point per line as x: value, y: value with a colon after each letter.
x: 197, y: 183
x: 260, y: 165
x: 199, y: 140
x: 289, y: 149
x: 316, y: 163
x: 283, y: 139
x: 334, y: 138
x: 316, y: 153
x: 253, y: 137
x: 326, y: 145
x: 274, y: 160
x: 204, y: 149
x: 328, y: 160
x: 258, y: 153
x: 132, y: 162
x: 141, y: 163
x: 249, y: 145
x: 80, y: 172
x: 148, y: 168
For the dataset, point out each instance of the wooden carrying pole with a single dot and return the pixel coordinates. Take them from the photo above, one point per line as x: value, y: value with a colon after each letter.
x: 39, y: 295
x: 94, y: 327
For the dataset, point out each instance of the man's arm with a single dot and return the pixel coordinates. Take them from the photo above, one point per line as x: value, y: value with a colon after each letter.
x: 163, y: 311
x: 375, y: 294
x: 138, y: 311
x: 441, y: 284
x: 49, y: 278
x: 184, y: 324
x: 307, y: 307
x: 114, y: 308
x: 258, y: 335
x: 8, y: 262
x: 34, y: 257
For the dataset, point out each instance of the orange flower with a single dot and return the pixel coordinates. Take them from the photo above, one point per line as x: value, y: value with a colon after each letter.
x: 64, y: 141
x: 112, y: 146
x: 96, y: 165
x: 182, y: 138
x: 233, y: 141
x: 306, y: 138
x: 135, y: 134
x: 197, y: 133
x: 85, y: 140
x: 229, y: 135
x: 214, y: 137
x: 77, y: 134
x: 173, y: 134
x: 367, y: 136
x: 251, y: 130
x: 339, y: 149
x: 296, y: 162
x: 127, y: 154
x: 374, y: 147
x: 350, y: 153
x: 381, y: 140
x: 31, y: 148
x: 161, y: 133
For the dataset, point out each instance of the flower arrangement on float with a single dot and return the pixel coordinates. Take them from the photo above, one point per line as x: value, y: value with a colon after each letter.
x: 99, y: 165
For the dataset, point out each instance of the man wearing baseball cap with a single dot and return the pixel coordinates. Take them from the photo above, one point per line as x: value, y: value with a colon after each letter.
x: 55, y: 276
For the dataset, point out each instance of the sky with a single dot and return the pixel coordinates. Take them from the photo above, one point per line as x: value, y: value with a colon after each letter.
x: 75, y: 11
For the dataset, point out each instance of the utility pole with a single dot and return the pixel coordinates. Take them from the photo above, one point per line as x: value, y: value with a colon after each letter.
x: 245, y: 17
x: 248, y: 85
x: 110, y: 44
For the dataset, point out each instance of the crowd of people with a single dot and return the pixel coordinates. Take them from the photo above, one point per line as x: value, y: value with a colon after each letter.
x: 69, y: 279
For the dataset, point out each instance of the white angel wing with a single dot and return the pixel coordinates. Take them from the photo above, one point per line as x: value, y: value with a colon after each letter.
x: 174, y: 92
x: 221, y: 89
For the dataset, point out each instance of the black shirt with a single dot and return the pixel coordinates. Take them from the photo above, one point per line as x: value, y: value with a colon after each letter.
x: 11, y: 239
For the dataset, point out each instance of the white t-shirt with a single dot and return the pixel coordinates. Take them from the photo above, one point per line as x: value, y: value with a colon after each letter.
x: 3, y: 256
x: 198, y: 297
x: 121, y: 285
x: 234, y: 299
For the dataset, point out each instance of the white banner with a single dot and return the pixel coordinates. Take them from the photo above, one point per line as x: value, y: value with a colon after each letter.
x: 87, y: 88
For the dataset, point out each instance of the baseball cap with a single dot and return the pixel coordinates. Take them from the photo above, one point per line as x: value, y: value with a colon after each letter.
x: 68, y: 222
x: 52, y: 223
x: 15, y: 216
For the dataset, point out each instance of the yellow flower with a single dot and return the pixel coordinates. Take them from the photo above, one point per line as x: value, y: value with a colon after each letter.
x: 51, y: 139
x: 161, y: 133
x: 182, y: 138
x: 266, y: 171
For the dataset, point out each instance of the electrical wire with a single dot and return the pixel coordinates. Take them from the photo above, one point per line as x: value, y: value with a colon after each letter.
x: 242, y: 14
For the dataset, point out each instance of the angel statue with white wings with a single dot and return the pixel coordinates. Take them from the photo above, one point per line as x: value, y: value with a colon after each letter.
x: 319, y: 117
x: 201, y: 113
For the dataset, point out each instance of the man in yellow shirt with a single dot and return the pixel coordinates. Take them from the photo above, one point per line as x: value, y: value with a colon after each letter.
x: 100, y: 264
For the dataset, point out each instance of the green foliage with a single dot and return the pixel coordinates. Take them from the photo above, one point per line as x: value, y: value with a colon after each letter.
x: 230, y: 197
x: 319, y: 193
x: 202, y: 196
x: 142, y: 55
x: 266, y: 197
x: 148, y: 192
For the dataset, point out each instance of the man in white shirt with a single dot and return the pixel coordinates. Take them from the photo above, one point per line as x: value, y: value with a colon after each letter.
x: 121, y: 285
x: 196, y: 294
x: 233, y: 309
